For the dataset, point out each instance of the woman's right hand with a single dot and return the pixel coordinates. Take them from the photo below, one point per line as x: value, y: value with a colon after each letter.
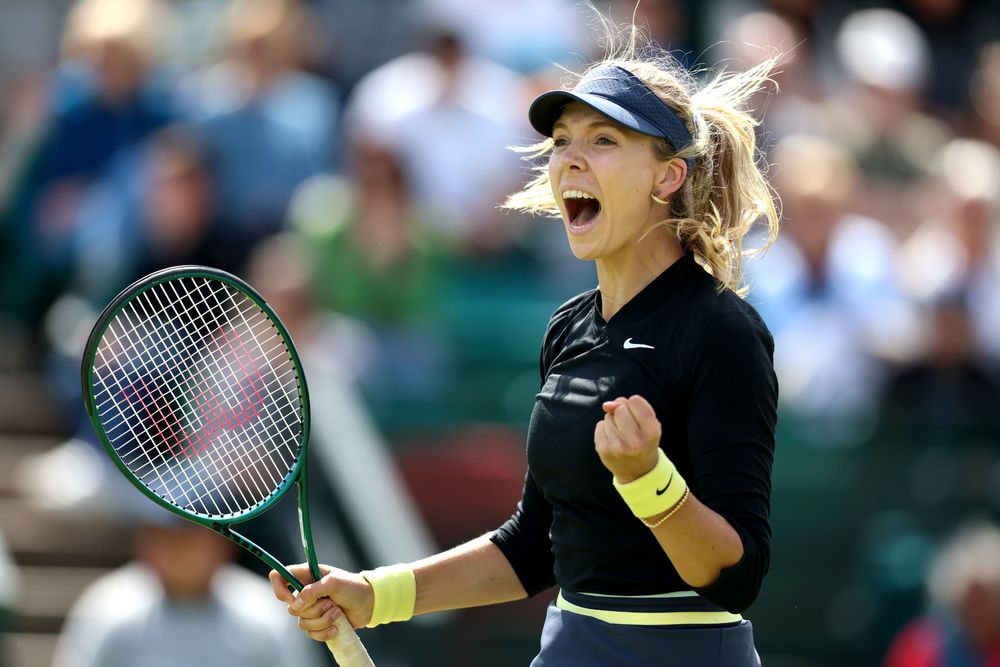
x: 319, y: 603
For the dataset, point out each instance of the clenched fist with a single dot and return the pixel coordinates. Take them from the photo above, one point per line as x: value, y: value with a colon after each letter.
x: 628, y: 437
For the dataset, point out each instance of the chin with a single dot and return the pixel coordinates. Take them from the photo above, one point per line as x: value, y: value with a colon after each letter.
x: 583, y: 251
x: 585, y: 241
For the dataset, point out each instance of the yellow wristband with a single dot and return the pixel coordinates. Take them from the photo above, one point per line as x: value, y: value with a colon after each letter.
x: 395, y: 591
x: 657, y: 491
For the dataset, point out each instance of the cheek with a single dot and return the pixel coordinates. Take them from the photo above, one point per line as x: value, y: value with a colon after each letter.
x: 639, y: 190
x: 629, y: 198
x: 625, y: 177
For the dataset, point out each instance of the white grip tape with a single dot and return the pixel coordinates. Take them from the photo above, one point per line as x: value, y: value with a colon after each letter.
x: 346, y: 648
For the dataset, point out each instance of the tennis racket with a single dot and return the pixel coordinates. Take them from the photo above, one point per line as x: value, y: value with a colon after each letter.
x: 197, y: 394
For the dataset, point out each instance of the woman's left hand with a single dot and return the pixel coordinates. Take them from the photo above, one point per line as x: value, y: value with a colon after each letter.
x: 628, y: 437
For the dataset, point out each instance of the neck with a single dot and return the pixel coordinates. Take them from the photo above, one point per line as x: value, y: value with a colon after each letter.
x: 619, y: 281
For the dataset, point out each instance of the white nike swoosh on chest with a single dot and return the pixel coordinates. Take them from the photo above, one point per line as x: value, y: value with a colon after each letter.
x: 629, y: 345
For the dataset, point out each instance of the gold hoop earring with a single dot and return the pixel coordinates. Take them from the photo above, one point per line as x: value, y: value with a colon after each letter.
x: 658, y: 200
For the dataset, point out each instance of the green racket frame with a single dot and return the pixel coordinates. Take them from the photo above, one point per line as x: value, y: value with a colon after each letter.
x: 295, y: 477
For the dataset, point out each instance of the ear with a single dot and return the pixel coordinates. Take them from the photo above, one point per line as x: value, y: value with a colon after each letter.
x: 670, y: 177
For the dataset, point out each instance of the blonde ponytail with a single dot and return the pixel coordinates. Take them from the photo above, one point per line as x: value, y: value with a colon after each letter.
x: 726, y: 193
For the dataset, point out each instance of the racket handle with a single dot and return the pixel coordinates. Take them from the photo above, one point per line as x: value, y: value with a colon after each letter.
x: 346, y: 648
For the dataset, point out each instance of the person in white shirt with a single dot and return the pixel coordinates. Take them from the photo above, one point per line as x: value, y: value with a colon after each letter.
x: 180, y: 603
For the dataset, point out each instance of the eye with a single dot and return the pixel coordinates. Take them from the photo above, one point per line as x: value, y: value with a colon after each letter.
x: 605, y: 141
x: 560, y: 142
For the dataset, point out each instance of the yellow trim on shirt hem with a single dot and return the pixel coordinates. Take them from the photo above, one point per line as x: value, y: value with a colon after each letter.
x: 651, y: 617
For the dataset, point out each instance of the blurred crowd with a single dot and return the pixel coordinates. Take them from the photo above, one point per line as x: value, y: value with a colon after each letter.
x: 350, y: 157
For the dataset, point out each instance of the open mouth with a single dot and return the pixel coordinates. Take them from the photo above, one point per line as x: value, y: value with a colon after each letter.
x: 581, y: 207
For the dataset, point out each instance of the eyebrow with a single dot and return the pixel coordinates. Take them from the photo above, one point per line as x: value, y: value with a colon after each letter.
x: 599, y: 122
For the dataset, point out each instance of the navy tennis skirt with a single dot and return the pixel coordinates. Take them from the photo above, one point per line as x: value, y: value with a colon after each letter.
x: 678, y: 630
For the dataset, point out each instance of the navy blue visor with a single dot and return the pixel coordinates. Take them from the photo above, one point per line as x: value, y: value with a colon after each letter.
x: 618, y: 94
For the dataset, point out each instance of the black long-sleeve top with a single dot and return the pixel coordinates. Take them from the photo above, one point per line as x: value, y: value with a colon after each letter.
x: 703, y: 359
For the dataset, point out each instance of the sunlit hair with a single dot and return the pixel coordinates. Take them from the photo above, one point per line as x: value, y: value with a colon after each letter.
x: 142, y: 25
x: 726, y: 192
x: 283, y: 24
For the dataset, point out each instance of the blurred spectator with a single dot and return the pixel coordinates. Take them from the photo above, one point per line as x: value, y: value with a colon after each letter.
x: 376, y: 259
x: 283, y: 270
x: 878, y: 113
x: 962, y: 627
x: 360, y: 36
x: 956, y: 30
x: 373, y: 248
x: 450, y: 117
x: 180, y: 603
x: 524, y: 35
x: 105, y: 99
x: 815, y: 22
x: 75, y: 477
x: 268, y: 124
x: 155, y: 210
x: 827, y: 290
x: 958, y: 237
x: 799, y: 108
x: 950, y: 394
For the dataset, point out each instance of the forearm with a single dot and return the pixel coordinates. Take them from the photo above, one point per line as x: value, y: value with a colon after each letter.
x: 699, y: 542
x: 470, y: 575
x: 473, y: 574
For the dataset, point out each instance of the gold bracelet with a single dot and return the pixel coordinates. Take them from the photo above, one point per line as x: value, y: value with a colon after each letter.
x: 668, y: 514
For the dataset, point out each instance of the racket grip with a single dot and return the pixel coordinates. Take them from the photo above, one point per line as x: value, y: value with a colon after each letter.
x: 346, y: 648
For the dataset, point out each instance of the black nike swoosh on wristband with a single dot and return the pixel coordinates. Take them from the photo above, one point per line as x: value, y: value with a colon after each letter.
x: 660, y: 492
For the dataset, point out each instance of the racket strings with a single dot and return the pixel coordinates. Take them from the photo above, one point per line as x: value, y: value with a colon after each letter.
x: 142, y: 319
x: 237, y: 474
x: 287, y: 376
x: 190, y: 446
x: 199, y: 396
x: 214, y: 346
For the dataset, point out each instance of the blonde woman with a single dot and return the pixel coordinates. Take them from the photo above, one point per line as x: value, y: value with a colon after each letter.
x: 650, y: 446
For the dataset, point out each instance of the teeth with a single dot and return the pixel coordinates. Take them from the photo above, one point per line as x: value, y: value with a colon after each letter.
x: 577, y: 194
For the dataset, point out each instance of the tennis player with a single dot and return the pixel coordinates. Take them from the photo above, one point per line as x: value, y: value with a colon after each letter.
x: 650, y: 446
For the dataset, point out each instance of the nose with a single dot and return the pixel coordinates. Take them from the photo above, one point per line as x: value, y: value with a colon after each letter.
x: 571, y: 158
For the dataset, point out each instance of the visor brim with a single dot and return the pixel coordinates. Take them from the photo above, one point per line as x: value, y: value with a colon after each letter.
x: 547, y: 107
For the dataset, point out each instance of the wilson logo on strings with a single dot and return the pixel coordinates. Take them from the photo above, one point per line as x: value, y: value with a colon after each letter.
x: 186, y: 413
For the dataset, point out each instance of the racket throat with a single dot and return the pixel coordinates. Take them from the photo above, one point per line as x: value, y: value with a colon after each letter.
x: 258, y: 551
